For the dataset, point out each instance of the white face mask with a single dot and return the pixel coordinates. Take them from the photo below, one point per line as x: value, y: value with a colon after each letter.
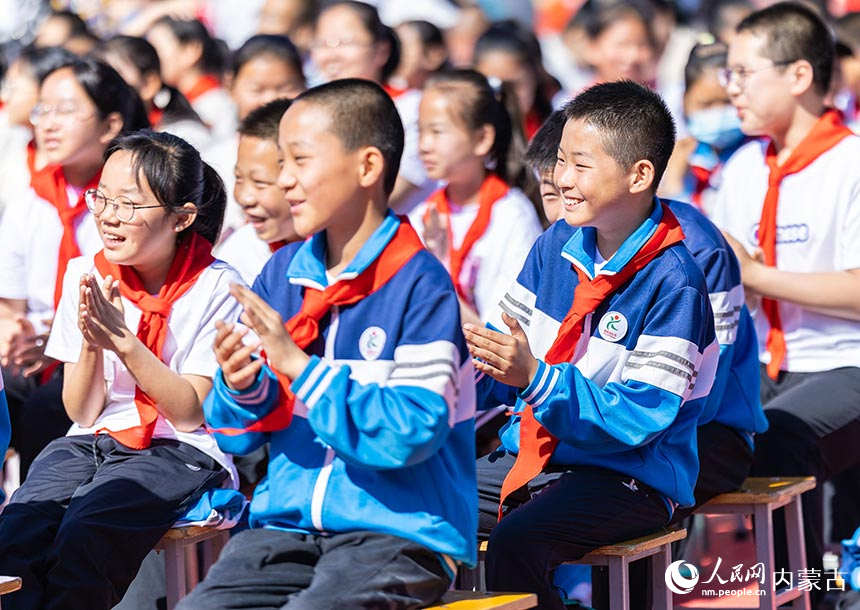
x: 719, y: 127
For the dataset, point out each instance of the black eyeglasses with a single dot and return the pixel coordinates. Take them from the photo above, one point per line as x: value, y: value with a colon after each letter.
x: 123, y: 207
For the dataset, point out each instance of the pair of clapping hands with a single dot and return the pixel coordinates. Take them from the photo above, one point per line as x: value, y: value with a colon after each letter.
x: 506, y: 358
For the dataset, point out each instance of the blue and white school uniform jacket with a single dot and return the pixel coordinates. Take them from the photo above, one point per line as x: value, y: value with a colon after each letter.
x: 643, y: 367
x: 382, y: 436
x: 734, y: 399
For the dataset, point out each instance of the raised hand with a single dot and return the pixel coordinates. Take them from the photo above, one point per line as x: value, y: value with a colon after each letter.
x: 436, y: 235
x: 101, y: 316
x: 505, y: 358
x: 234, y: 357
x: 27, y: 349
x: 282, y: 352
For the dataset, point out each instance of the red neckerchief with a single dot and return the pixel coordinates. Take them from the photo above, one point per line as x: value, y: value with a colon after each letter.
x: 492, y: 189
x: 193, y: 256
x: 304, y: 326
x: 826, y: 134
x: 536, y: 442
x: 204, y: 84
x: 50, y: 184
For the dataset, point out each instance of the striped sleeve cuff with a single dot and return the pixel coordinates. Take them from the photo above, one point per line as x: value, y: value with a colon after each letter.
x: 541, y: 386
x: 253, y: 395
x: 314, y: 380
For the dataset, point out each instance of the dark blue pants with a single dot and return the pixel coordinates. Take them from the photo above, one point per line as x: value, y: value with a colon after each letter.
x: 263, y: 569
x: 559, y: 516
x: 79, y: 527
x: 814, y: 430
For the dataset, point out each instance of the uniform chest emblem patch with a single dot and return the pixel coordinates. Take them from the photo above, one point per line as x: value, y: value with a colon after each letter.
x: 613, y: 326
x: 371, y: 343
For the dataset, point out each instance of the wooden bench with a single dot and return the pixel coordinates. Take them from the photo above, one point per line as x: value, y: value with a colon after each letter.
x: 477, y: 600
x: 8, y: 584
x: 181, y: 570
x: 759, y: 497
x: 656, y: 547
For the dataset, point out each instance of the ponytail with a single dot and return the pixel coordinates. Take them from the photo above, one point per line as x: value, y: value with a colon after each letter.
x: 478, y: 103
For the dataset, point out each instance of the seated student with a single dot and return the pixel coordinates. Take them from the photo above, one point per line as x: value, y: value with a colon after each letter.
x: 480, y: 224
x: 733, y: 414
x: 269, y: 221
x: 134, y: 327
x: 192, y: 61
x: 365, y: 395
x: 82, y: 106
x: 540, y: 158
x: 605, y: 428
x: 791, y: 203
x: 714, y: 129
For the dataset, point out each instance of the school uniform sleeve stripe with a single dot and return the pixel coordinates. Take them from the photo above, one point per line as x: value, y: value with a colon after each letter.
x: 508, y: 310
x: 323, y: 373
x: 538, y: 384
x: 255, y: 394
x: 669, y: 363
x: 310, y: 381
x: 727, y: 311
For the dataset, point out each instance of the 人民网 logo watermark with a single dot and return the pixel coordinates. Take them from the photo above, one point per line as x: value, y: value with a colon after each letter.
x: 682, y: 577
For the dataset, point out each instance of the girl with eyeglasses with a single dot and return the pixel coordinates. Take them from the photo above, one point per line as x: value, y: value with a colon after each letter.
x: 134, y: 329
x: 82, y: 106
x: 350, y: 41
x: 19, y: 93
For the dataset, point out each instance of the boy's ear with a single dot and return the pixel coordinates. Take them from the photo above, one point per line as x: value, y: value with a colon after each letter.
x: 113, y: 125
x: 641, y: 176
x: 485, y: 136
x: 187, y: 217
x: 371, y: 167
x: 802, y: 77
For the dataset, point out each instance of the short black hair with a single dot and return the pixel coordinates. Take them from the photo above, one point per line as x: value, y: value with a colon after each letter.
x: 792, y: 32
x: 362, y: 114
x: 543, y: 149
x: 262, y: 123
x: 703, y: 57
x: 633, y: 121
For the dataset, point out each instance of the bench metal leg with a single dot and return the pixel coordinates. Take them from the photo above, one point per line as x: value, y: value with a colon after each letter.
x: 764, y: 552
x: 659, y: 564
x: 174, y: 572
x: 796, y: 546
x: 619, y: 583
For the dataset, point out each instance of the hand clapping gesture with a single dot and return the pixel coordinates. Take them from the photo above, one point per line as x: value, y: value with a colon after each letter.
x: 505, y: 358
x: 282, y: 353
x: 101, y: 316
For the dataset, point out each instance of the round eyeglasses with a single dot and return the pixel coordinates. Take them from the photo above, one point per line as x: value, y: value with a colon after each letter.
x: 739, y: 76
x: 123, y: 207
x: 64, y: 113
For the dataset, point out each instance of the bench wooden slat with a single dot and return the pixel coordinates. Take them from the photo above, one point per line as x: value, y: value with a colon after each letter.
x: 476, y: 600
x: 631, y: 547
x: 640, y: 545
x: 765, y: 490
x: 8, y: 584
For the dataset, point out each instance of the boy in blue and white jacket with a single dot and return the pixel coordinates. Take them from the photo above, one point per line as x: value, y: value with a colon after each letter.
x: 370, y: 495
x: 626, y: 404
x: 733, y: 414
